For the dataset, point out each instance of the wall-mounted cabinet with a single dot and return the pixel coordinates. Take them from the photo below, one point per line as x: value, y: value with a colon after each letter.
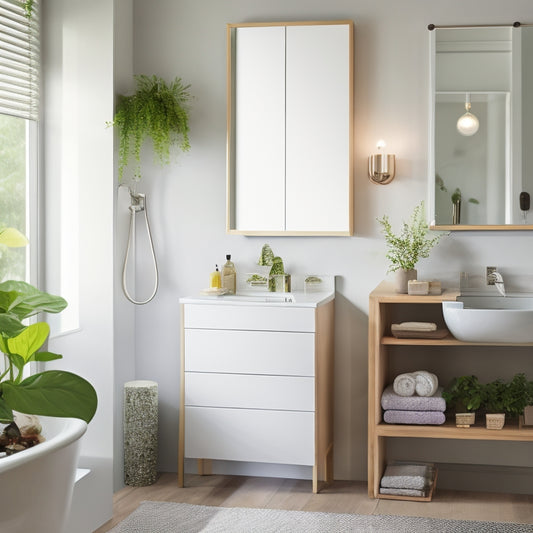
x: 290, y: 128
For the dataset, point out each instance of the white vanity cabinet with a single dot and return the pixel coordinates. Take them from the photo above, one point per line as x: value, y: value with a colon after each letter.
x: 256, y: 383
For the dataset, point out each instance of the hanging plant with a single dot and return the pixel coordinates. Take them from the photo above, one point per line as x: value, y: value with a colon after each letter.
x: 158, y: 111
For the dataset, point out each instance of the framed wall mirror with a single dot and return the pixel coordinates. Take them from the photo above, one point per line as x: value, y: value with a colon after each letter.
x: 481, y: 125
x: 290, y: 128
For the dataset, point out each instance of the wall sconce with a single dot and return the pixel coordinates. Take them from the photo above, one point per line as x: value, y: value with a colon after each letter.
x: 468, y: 124
x: 381, y: 166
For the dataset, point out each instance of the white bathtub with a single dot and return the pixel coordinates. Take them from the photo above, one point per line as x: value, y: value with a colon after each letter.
x: 36, y: 485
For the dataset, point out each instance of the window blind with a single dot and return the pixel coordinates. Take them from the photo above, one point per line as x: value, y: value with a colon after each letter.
x: 19, y: 60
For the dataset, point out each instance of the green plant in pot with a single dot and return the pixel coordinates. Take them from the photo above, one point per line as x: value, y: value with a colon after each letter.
x: 495, y: 402
x: 49, y: 393
x: 464, y: 396
x: 409, y: 246
x: 519, y: 395
x: 157, y: 111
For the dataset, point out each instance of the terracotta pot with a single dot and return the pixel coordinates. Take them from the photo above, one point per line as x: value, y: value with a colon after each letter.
x: 401, y: 279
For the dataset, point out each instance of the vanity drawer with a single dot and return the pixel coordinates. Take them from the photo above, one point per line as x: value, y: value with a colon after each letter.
x: 250, y: 352
x: 284, y: 437
x: 250, y: 391
x: 260, y: 318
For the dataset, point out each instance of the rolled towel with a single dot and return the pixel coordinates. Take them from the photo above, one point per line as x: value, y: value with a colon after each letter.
x: 434, y: 418
x: 391, y: 400
x: 426, y: 383
x: 405, y: 384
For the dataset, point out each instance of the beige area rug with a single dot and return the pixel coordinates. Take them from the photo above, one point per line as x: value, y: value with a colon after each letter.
x: 168, y: 517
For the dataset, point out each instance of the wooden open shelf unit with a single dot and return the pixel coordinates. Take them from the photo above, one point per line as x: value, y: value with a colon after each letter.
x: 380, y: 342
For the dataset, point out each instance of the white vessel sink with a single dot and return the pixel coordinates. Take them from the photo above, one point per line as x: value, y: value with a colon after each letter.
x: 490, y: 318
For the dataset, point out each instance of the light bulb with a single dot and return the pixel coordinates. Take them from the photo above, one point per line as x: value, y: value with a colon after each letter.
x: 381, y: 144
x: 467, y: 124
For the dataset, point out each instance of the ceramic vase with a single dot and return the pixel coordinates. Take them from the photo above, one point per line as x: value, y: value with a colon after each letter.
x: 401, y: 279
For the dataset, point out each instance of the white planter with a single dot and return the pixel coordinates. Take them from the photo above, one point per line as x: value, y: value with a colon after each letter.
x: 465, y: 420
x: 36, y: 485
x: 495, y: 420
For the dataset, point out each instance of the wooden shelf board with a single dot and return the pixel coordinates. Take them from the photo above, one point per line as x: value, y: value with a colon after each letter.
x: 449, y: 340
x: 448, y: 430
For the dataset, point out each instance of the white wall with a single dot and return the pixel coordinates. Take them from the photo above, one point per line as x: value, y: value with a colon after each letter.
x: 186, y: 38
x: 78, y: 158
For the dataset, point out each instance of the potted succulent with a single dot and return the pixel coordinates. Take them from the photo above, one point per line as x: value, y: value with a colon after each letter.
x: 464, y: 397
x: 496, y: 400
x: 52, y: 392
x: 409, y: 246
x: 156, y: 110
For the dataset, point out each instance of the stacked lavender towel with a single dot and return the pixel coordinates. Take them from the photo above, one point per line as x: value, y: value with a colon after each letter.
x: 407, y: 479
x: 413, y: 409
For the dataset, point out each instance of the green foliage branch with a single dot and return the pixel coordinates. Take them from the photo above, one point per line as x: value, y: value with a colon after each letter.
x: 156, y: 111
x: 464, y: 394
x: 412, y: 243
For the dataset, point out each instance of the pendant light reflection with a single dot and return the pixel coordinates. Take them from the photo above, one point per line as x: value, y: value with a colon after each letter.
x: 468, y: 124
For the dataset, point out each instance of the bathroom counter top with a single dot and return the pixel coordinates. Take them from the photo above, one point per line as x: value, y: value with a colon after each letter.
x: 275, y: 299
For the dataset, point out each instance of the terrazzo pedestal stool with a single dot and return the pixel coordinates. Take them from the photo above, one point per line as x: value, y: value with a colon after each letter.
x: 140, y: 433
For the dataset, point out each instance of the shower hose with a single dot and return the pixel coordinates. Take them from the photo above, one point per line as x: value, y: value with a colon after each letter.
x: 138, y: 205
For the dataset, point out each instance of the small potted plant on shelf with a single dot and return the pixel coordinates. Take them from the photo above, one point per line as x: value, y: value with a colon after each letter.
x: 495, y: 401
x: 520, y: 395
x: 409, y: 246
x: 464, y: 397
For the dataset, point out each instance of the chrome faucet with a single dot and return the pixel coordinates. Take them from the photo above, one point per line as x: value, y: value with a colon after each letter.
x: 495, y: 278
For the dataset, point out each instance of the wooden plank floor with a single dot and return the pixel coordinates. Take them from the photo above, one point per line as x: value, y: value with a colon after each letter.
x: 340, y: 497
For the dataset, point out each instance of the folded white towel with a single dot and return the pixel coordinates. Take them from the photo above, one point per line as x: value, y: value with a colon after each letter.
x: 404, y: 384
x: 426, y: 383
x: 415, y: 326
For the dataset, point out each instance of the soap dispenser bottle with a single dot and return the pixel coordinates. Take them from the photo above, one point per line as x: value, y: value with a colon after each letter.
x: 229, y: 276
x: 214, y: 279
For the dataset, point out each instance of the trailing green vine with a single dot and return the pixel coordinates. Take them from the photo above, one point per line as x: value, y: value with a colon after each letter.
x: 156, y: 110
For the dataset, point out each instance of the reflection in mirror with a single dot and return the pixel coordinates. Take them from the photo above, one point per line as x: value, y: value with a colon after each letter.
x: 477, y: 175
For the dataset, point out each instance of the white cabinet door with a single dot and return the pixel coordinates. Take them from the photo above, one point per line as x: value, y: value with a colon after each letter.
x: 318, y: 105
x: 250, y: 352
x: 259, y: 85
x: 260, y: 318
x: 287, y: 393
x: 283, y: 437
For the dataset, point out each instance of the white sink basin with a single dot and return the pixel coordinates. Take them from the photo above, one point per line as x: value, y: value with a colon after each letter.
x: 490, y: 318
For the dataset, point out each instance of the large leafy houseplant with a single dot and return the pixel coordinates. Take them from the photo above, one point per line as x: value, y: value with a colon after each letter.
x: 412, y: 243
x: 48, y: 393
x: 156, y: 111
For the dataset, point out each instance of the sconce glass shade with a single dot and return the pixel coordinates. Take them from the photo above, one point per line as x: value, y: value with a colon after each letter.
x: 381, y: 168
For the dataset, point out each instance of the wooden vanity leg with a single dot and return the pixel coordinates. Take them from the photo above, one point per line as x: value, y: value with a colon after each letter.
x: 315, y: 479
x: 205, y: 467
